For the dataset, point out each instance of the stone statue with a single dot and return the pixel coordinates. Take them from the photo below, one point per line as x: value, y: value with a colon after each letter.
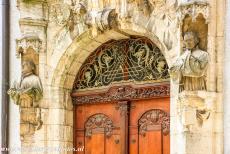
x: 27, y: 94
x: 191, y: 66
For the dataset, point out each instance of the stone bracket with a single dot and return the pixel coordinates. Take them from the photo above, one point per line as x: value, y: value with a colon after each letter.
x: 194, y: 108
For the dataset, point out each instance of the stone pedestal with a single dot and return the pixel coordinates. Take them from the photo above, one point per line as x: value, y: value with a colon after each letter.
x: 195, y: 112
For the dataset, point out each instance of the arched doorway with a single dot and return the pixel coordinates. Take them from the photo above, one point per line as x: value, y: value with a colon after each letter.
x: 121, y: 99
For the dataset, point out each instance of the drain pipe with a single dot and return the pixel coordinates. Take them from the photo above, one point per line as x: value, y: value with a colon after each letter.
x: 5, y: 74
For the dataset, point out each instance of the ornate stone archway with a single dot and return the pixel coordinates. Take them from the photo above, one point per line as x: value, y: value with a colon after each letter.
x: 62, y: 54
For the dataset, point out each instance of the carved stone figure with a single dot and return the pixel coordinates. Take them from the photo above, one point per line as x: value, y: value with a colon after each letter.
x: 191, y: 66
x: 27, y: 95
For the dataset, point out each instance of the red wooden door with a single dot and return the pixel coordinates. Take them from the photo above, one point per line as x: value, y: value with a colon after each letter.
x: 149, y: 127
x: 136, y: 127
x: 97, y: 128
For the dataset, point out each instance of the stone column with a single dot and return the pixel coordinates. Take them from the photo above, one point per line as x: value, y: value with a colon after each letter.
x: 227, y: 82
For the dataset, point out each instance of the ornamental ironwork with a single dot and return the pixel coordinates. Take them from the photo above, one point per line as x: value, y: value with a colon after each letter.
x: 135, y: 59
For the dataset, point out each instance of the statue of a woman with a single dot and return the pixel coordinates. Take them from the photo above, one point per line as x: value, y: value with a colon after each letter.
x: 191, y: 66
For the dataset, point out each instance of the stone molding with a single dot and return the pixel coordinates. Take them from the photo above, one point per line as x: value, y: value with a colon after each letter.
x: 33, y: 22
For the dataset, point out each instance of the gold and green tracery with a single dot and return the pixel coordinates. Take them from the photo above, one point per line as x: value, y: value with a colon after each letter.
x: 135, y: 59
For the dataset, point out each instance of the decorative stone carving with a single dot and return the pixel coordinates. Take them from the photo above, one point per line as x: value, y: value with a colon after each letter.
x: 194, y: 108
x: 191, y: 66
x: 154, y: 117
x: 99, y: 123
x: 27, y: 94
x: 103, y: 20
x: 193, y: 9
x: 119, y: 93
x: 76, y: 18
x: 26, y: 42
x: 163, y: 13
x: 71, y: 17
x: 202, y: 115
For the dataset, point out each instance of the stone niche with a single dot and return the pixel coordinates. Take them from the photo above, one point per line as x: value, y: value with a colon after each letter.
x: 199, y: 26
x: 190, y: 68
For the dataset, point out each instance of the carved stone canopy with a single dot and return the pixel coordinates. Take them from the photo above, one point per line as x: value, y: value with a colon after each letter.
x: 193, y: 9
x: 28, y: 41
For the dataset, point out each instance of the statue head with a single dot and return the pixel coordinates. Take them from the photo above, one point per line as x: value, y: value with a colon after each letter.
x: 28, y: 67
x: 190, y: 40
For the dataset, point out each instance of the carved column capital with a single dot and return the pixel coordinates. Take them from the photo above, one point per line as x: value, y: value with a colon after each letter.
x: 193, y: 9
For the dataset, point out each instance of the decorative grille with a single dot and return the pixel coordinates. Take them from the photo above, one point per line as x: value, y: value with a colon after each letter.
x: 135, y: 59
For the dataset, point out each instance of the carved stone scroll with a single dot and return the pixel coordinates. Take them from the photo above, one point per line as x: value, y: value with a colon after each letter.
x: 99, y: 123
x: 154, y: 117
x: 119, y: 93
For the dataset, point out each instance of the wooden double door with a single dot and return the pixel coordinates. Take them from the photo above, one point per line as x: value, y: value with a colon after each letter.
x: 125, y: 127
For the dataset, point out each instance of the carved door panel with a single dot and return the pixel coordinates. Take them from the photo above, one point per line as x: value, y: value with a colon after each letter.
x: 149, y: 127
x: 97, y: 128
x: 136, y: 127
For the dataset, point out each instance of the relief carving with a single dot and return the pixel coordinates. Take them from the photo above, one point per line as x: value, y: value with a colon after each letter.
x: 163, y: 13
x: 27, y: 94
x: 75, y: 18
x: 202, y: 115
x: 121, y: 93
x: 99, y: 123
x: 103, y: 20
x: 154, y: 117
x: 191, y: 66
x: 70, y: 17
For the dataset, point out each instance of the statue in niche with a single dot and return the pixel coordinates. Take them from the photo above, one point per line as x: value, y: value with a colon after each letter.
x: 191, y: 66
x: 27, y: 94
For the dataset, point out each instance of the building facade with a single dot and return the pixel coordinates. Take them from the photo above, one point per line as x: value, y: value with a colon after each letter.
x: 131, y: 75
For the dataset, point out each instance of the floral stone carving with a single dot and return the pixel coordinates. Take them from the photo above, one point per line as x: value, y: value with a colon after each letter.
x: 27, y: 94
x: 191, y: 66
